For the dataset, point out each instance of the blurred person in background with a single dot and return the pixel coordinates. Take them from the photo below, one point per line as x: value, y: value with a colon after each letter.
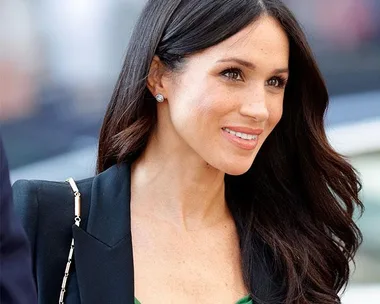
x: 333, y: 20
x: 16, y: 278
x: 53, y: 71
x: 216, y: 181
x: 342, y: 17
x: 18, y: 60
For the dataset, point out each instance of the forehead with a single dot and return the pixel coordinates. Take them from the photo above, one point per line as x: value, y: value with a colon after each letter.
x: 263, y: 41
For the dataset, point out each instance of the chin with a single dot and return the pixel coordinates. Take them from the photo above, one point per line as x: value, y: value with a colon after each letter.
x: 237, y: 170
x: 237, y: 167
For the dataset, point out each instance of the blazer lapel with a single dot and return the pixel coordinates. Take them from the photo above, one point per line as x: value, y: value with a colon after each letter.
x: 103, y: 250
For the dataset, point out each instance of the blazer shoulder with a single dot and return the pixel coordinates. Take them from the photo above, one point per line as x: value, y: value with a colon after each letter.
x: 47, y: 202
x: 32, y: 192
x: 25, y: 187
x: 31, y: 195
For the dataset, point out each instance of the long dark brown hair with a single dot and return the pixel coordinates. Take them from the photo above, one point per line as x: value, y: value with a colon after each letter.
x: 294, y: 208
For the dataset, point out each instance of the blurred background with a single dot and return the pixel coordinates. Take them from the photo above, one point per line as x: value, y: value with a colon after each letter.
x: 59, y: 61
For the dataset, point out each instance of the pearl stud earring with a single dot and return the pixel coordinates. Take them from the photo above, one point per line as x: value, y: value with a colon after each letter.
x: 160, y: 98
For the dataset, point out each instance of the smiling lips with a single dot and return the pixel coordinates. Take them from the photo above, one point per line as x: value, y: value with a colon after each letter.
x: 245, y: 138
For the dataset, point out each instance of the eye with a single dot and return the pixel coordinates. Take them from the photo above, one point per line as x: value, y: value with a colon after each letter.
x: 233, y: 74
x: 277, y: 82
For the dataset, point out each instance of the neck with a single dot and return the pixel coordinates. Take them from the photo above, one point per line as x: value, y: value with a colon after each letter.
x: 181, y: 189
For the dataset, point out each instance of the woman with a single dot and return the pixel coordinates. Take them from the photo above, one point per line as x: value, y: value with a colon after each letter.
x: 216, y: 181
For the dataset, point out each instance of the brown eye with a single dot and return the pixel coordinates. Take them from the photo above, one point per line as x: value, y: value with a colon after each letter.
x: 273, y: 82
x: 233, y: 74
x: 277, y: 82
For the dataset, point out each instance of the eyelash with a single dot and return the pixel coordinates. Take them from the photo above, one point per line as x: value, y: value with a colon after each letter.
x: 280, y: 79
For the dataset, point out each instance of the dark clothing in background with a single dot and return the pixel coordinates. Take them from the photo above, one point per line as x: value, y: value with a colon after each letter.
x: 16, y: 278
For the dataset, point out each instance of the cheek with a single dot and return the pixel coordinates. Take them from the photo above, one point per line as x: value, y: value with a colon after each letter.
x: 203, y: 103
x: 275, y: 113
x: 191, y: 112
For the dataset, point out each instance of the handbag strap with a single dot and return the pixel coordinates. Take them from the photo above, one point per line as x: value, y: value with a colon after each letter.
x: 77, y: 219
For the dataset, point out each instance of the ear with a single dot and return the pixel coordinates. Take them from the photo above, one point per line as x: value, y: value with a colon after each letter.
x: 156, y: 73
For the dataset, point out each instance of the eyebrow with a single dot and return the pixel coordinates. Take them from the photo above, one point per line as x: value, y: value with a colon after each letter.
x: 250, y: 65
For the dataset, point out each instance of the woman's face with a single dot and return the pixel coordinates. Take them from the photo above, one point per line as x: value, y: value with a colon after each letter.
x: 228, y: 98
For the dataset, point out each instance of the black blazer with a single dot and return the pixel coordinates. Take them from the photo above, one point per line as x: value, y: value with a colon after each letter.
x: 16, y: 280
x: 103, y: 268
x: 103, y: 261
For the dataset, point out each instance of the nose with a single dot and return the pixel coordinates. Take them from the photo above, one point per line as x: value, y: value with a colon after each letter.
x: 255, y: 107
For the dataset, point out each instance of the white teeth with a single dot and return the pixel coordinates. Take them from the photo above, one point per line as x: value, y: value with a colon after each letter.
x: 241, y: 135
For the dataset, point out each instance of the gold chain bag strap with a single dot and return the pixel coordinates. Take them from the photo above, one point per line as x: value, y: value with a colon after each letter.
x: 77, y: 220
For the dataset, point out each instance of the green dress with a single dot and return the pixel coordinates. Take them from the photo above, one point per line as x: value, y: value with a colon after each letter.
x: 245, y: 300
